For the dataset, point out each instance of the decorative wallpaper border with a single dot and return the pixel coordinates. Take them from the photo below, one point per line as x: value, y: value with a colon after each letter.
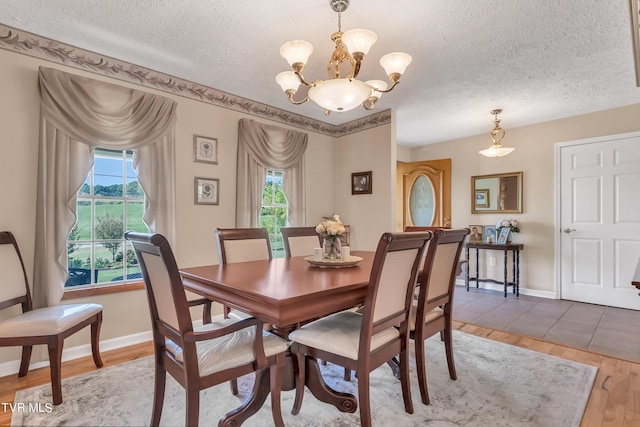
x: 40, y: 47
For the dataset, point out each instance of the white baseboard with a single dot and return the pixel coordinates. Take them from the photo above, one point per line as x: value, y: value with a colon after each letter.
x: 500, y: 288
x: 12, y: 367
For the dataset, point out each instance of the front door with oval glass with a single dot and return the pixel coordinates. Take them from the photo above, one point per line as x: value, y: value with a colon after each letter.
x: 424, y: 193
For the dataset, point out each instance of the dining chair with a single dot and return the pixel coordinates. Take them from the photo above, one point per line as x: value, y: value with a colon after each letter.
x: 300, y: 241
x: 362, y: 341
x: 434, y: 303
x: 199, y: 358
x: 49, y: 325
x: 241, y: 245
x: 462, y: 264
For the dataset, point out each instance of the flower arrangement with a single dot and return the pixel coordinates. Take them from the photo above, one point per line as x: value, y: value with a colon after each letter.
x: 331, y: 228
x: 512, y: 224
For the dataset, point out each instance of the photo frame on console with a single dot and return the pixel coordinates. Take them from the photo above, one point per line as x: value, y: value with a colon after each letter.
x: 504, y: 235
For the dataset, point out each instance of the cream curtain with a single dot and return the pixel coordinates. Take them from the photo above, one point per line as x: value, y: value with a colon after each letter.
x: 261, y: 148
x: 78, y: 114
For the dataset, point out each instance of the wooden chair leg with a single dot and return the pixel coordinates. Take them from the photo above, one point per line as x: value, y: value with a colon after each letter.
x: 26, y: 359
x: 347, y: 374
x: 95, y: 341
x: 301, y: 374
x: 421, y: 369
x: 158, y: 394
x: 234, y: 386
x: 448, y: 345
x: 55, y: 366
x: 275, y: 380
x: 206, y: 313
x: 405, y: 382
x: 364, y: 400
x: 193, y: 406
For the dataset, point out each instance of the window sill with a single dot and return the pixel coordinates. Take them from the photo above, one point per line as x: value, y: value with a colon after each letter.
x: 102, y: 290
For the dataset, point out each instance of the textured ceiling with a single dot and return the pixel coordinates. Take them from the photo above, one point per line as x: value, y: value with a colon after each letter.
x: 537, y: 60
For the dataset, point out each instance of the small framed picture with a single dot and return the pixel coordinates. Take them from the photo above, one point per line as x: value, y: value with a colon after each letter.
x: 207, y: 191
x: 489, y: 234
x: 361, y: 183
x: 477, y: 233
x: 205, y: 149
x: 482, y: 198
x: 504, y: 235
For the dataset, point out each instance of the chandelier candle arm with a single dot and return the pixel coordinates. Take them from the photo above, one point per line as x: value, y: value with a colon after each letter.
x: 338, y: 93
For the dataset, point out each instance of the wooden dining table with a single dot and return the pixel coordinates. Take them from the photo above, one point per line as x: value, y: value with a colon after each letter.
x: 286, y: 292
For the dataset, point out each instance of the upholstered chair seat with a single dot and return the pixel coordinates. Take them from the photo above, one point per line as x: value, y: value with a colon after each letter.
x: 339, y: 333
x: 48, y: 320
x: 229, y: 351
x: 430, y: 316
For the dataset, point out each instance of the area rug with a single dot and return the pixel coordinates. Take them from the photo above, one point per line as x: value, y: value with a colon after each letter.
x: 498, y: 386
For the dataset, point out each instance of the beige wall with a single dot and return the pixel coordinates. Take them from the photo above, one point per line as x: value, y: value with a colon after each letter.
x: 370, y: 215
x: 327, y: 185
x: 534, y: 155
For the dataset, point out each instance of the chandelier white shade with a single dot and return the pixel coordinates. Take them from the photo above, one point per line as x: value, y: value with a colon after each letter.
x: 340, y: 93
x: 497, y: 135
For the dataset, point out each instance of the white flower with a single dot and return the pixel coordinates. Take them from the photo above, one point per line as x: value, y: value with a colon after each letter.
x: 332, y: 226
x: 511, y: 223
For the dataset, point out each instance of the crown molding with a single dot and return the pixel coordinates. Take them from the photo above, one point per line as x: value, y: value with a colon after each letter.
x: 46, y: 49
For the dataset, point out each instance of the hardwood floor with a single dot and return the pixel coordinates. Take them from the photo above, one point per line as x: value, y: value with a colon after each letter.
x: 614, y: 401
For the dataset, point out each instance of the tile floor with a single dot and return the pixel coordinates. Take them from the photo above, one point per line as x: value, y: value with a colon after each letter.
x: 607, y: 330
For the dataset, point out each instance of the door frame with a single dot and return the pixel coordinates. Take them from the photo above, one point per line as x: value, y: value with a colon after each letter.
x: 558, y: 202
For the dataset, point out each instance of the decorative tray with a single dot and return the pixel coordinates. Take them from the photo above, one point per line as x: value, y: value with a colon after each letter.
x: 339, y: 263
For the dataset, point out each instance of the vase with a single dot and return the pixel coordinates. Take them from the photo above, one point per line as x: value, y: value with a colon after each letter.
x: 331, y: 248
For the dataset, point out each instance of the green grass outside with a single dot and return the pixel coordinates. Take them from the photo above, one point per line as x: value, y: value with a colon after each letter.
x: 115, y: 209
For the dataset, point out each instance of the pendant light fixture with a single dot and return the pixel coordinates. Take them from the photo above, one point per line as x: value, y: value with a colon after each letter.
x: 497, y: 134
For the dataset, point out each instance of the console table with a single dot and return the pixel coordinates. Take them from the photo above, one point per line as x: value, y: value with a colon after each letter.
x: 506, y: 248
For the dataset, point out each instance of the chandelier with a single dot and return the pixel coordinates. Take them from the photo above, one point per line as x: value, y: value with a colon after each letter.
x: 497, y: 134
x: 340, y: 93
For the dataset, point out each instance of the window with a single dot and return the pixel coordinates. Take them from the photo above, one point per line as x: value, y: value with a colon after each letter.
x: 273, y: 213
x: 109, y: 203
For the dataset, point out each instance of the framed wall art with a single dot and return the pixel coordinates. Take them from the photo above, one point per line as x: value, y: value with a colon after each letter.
x: 205, y: 149
x: 207, y: 191
x: 361, y: 183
